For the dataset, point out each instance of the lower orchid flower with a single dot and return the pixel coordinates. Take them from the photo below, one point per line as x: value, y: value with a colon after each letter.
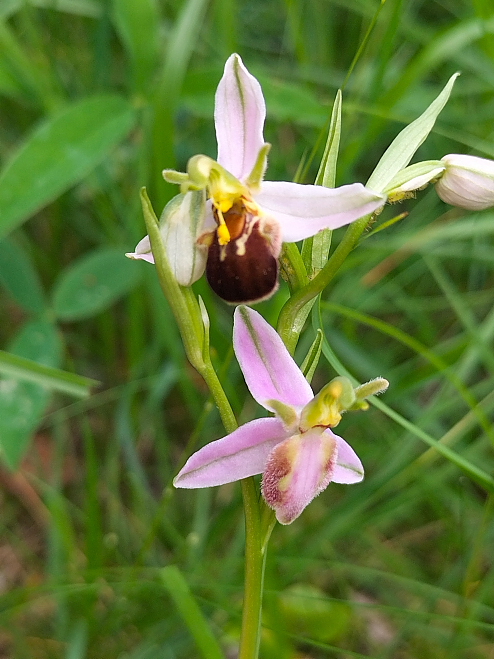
x: 296, y: 450
x: 246, y: 219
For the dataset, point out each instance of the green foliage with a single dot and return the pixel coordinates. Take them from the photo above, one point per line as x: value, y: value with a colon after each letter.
x: 58, y: 154
x: 93, y: 283
x: 20, y: 278
x: 96, y: 97
x: 22, y: 403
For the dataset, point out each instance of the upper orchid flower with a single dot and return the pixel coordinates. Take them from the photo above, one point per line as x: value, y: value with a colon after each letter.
x: 246, y: 219
x: 296, y: 451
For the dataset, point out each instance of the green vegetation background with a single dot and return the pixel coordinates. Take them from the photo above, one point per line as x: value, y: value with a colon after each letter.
x: 96, y: 98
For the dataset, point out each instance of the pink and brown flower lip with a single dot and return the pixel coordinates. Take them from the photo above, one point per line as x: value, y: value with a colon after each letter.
x: 246, y: 267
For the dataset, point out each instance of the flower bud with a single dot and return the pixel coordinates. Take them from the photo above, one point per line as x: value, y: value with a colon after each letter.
x: 468, y: 182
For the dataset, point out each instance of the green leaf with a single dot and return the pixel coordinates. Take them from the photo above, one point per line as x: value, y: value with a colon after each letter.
x: 400, y: 152
x: 59, y: 153
x: 327, y: 171
x: 311, y: 360
x: 315, y: 250
x: 28, y: 370
x: 18, y: 275
x: 22, y: 404
x: 91, y: 8
x: 9, y: 86
x: 93, y: 283
x: 138, y: 24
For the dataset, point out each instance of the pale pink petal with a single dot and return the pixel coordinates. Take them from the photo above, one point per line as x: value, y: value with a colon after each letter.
x: 348, y: 468
x: 298, y: 469
x: 239, y: 118
x: 269, y: 370
x: 240, y: 454
x: 142, y: 251
x: 304, y: 210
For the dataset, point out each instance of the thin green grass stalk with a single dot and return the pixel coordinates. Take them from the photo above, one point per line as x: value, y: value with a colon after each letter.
x: 363, y: 43
x: 94, y: 528
x: 480, y: 476
x: 52, y: 378
x: 179, y: 591
x: 181, y: 44
x: 477, y: 474
x: 463, y: 312
x: 226, y: 26
x: 458, y: 431
x: 426, y: 353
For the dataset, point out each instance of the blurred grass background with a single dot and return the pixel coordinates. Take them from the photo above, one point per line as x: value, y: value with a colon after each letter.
x: 96, y: 98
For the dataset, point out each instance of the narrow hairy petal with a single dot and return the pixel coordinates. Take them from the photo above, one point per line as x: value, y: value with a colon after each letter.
x: 348, y: 468
x: 240, y: 454
x: 304, y: 210
x: 239, y: 117
x: 297, y: 470
x: 269, y: 370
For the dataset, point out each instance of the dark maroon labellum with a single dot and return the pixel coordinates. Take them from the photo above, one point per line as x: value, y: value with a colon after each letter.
x: 246, y: 268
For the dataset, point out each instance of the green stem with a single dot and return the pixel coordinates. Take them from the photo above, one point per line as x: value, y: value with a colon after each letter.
x: 194, y: 330
x: 223, y: 404
x: 255, y: 543
x: 293, y: 267
x: 288, y: 317
x: 254, y: 573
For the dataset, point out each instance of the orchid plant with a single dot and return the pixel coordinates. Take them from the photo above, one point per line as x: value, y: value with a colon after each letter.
x: 229, y: 222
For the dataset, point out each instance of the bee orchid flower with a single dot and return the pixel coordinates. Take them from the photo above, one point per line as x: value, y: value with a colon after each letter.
x: 296, y: 450
x: 245, y: 219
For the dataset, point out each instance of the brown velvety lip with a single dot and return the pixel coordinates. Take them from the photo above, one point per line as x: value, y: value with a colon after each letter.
x: 243, y: 274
